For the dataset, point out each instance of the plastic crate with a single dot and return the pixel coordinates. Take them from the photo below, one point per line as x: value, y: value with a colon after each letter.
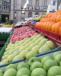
x: 5, y: 45
x: 4, y: 36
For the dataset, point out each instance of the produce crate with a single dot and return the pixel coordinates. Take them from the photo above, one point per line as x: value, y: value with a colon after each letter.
x: 4, y: 36
x: 6, y: 43
x: 3, y: 49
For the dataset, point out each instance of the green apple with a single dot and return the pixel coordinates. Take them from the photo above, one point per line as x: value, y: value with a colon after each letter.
x: 42, y: 42
x: 10, y: 57
x: 57, y: 52
x: 35, y: 65
x: 43, y: 59
x: 5, y: 61
x: 44, y: 49
x: 58, y: 75
x: 49, y: 63
x: 35, y: 48
x: 28, y: 48
x: 21, y: 48
x: 38, y: 72
x: 10, y: 72
x: 27, y: 41
x: 55, y: 70
x: 31, y: 54
x: 23, y: 53
x: 57, y: 57
x: 24, y: 75
x: 60, y: 63
x: 12, y: 66
x: 50, y: 44
x: 1, y: 73
x: 33, y: 59
x: 39, y: 39
x: 36, y: 37
x: 18, y: 57
x: 22, y: 64
x: 23, y: 71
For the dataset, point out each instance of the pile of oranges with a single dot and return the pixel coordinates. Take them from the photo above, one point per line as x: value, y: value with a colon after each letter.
x: 51, y: 23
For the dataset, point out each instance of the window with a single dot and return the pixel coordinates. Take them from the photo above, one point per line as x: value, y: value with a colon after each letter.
x: 37, y: 7
x: 6, y: 5
x: 37, y: 3
x: 30, y: 2
x: 0, y: 1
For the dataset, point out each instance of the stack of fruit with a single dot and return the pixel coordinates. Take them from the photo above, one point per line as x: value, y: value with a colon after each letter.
x: 27, y: 48
x: 51, y: 23
x: 21, y: 33
x: 45, y: 66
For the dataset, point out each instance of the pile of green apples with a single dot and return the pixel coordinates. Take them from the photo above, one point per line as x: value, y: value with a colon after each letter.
x: 44, y: 66
x: 27, y: 48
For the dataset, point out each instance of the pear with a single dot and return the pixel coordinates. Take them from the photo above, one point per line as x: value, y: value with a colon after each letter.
x: 10, y: 72
x: 22, y: 65
x: 33, y: 59
x: 55, y: 70
x: 43, y: 59
x: 1, y: 73
x: 23, y: 71
x: 35, y: 65
x: 57, y: 57
x: 31, y: 54
x: 49, y: 63
x: 12, y: 66
x: 38, y: 72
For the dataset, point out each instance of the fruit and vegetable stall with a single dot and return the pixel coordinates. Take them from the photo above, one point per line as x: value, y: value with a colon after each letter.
x: 32, y: 49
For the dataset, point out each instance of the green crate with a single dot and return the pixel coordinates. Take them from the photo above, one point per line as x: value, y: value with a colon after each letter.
x: 5, y: 45
x: 4, y: 36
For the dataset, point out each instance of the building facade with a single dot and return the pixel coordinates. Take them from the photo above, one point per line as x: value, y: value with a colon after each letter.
x: 35, y: 7
x: 5, y: 6
x: 13, y: 8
